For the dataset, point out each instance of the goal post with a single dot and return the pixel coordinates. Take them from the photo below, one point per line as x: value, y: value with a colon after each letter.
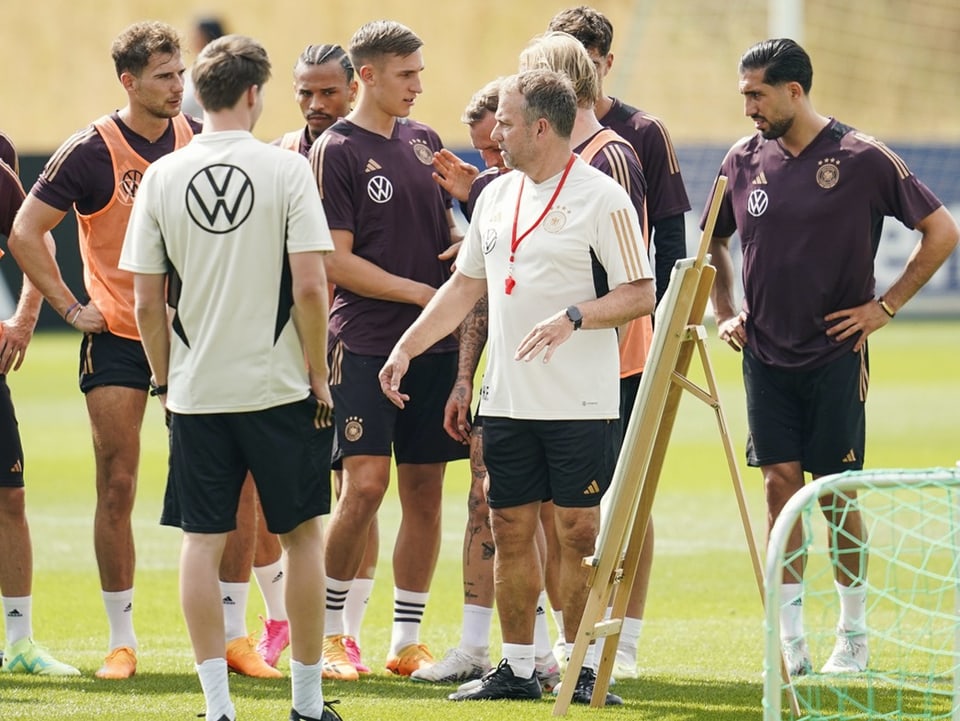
x: 912, y: 523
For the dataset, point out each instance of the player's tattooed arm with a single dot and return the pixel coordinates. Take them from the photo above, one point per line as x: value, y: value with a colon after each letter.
x: 473, y: 337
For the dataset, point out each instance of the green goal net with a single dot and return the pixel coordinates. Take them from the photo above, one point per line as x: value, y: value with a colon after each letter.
x: 912, y: 522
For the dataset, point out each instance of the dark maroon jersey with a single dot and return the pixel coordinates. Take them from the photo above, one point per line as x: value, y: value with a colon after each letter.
x: 382, y: 190
x: 478, y: 184
x: 299, y: 140
x: 8, y: 153
x: 80, y: 171
x: 666, y: 195
x: 809, y: 227
x: 11, y: 197
x: 617, y: 159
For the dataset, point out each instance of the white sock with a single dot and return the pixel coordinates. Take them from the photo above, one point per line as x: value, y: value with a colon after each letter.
x: 17, y: 618
x: 630, y: 636
x: 233, y: 596
x: 216, y: 688
x: 853, y: 608
x: 408, y: 608
x: 119, y: 607
x: 307, y: 688
x: 270, y: 580
x: 336, y: 597
x: 541, y: 631
x: 475, y: 632
x: 520, y: 658
x: 558, y: 620
x: 791, y: 610
x: 355, y: 606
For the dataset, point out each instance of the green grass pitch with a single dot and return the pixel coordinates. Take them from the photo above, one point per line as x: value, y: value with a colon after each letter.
x: 702, y: 645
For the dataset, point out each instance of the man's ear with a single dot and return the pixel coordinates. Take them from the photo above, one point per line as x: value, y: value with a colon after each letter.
x: 129, y: 81
x: 367, y: 73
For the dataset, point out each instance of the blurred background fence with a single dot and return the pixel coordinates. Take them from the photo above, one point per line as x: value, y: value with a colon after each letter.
x: 891, y: 68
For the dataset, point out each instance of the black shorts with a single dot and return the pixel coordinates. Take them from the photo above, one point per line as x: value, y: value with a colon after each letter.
x: 109, y: 360
x: 370, y: 425
x: 816, y: 417
x: 11, y: 449
x: 210, y: 454
x: 568, y: 462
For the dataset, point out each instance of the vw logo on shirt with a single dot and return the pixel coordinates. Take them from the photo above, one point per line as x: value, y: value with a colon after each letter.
x: 757, y: 203
x: 219, y: 198
x: 380, y: 189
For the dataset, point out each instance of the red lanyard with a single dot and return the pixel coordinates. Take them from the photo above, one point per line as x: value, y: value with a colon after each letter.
x: 510, y: 283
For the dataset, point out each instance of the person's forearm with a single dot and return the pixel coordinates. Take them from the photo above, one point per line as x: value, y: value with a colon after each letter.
x: 936, y: 244
x: 31, y: 244
x: 620, y: 306
x: 443, y: 314
x: 473, y: 337
x: 310, y: 319
x: 670, y: 245
x: 39, y: 265
x: 152, y: 324
x: 721, y: 295
x: 367, y: 279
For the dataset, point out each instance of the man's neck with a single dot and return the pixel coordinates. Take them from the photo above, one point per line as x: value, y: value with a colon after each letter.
x: 585, y: 126
x: 223, y: 121
x: 550, y: 164
x: 369, y: 117
x: 806, y: 127
x: 604, y: 104
x: 143, y: 123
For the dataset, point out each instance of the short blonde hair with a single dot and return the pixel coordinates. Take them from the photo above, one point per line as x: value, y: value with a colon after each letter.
x: 565, y: 54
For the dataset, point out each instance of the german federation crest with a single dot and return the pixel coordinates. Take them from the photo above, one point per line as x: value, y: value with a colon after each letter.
x: 422, y: 151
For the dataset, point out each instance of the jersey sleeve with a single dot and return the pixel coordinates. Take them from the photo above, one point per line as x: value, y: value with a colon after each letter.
x: 333, y: 165
x: 726, y: 224
x: 667, y: 195
x: 620, y: 162
x: 307, y: 228
x: 904, y: 196
x: 8, y: 153
x: 69, y: 176
x: 11, y: 197
x: 620, y: 246
x: 470, y: 260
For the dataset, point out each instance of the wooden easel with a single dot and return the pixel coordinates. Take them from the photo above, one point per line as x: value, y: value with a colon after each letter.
x: 678, y: 333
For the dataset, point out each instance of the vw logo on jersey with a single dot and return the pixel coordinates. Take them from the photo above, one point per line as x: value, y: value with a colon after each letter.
x: 380, y: 189
x: 757, y: 203
x: 219, y: 198
x: 489, y: 241
x: 127, y: 188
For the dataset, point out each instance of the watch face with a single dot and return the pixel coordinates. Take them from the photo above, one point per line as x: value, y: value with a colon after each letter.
x: 575, y: 316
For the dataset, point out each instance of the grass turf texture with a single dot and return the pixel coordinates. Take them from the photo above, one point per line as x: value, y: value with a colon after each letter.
x: 702, y: 645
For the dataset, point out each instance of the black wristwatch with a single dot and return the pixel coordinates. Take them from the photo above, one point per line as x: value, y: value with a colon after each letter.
x: 575, y: 316
x: 156, y: 390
